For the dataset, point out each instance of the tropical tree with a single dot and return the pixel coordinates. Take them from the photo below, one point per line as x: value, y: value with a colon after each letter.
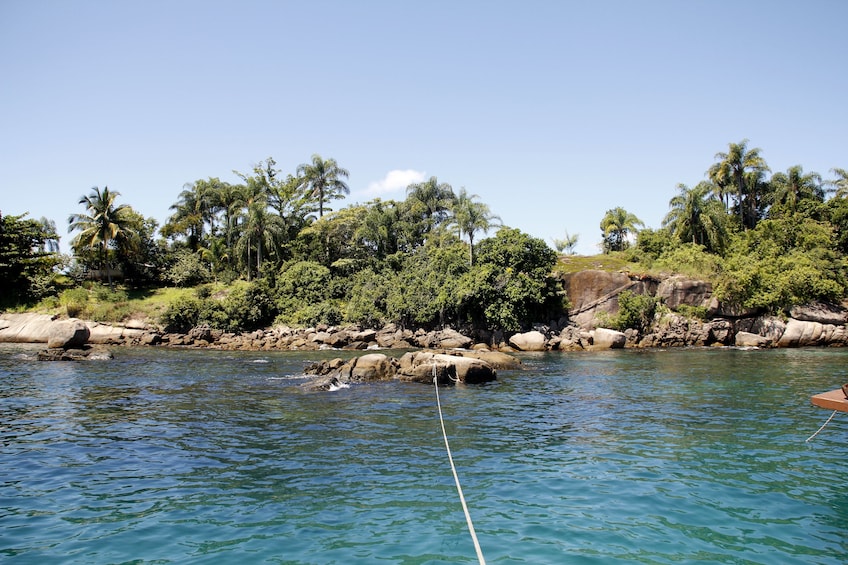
x: 262, y: 232
x: 471, y: 217
x: 431, y: 201
x: 729, y: 176
x: 840, y: 183
x: 23, y: 258
x: 566, y: 244
x: 794, y: 186
x: 50, y: 244
x: 697, y: 215
x: 323, y: 179
x: 103, y: 224
x: 195, y: 208
x: 616, y: 225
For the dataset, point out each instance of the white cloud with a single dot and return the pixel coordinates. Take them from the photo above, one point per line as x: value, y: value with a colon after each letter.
x: 394, y: 181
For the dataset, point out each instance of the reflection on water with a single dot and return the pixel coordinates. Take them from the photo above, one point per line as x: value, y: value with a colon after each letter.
x: 631, y: 456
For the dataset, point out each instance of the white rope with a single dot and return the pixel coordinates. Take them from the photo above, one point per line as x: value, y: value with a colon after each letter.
x: 455, y: 476
x: 823, y: 425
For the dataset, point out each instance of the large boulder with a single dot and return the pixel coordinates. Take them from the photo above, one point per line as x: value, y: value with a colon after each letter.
x: 67, y: 334
x: 594, y: 292
x: 528, y: 341
x: 747, y: 339
x: 679, y: 290
x: 26, y: 328
x: 449, y: 369
x: 372, y: 367
x: 820, y: 312
x: 799, y: 333
x: 604, y: 338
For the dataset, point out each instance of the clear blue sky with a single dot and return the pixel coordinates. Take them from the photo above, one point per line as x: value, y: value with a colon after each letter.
x: 551, y: 111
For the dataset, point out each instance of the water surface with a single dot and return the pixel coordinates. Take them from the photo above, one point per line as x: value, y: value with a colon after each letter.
x: 667, y: 456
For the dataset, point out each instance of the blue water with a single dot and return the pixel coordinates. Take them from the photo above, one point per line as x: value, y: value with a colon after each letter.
x: 677, y: 456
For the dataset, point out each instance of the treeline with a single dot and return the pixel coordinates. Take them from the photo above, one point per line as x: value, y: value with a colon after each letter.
x: 416, y: 262
x: 271, y: 240
x: 767, y: 241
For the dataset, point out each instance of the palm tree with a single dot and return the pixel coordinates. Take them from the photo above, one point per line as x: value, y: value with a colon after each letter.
x: 567, y: 244
x: 471, y: 217
x: 260, y: 230
x: 103, y: 224
x: 616, y: 225
x: 50, y: 244
x: 840, y: 183
x: 793, y: 186
x: 194, y: 208
x: 322, y: 180
x: 697, y: 215
x: 729, y: 175
x: 431, y: 201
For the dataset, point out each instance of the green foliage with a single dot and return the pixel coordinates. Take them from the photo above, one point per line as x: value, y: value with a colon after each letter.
x: 634, y: 311
x: 75, y: 301
x: 782, y: 263
x: 302, y: 291
x: 656, y: 242
x: 692, y: 312
x: 188, y: 270
x: 511, y: 283
x: 26, y: 267
x: 689, y: 259
x: 181, y: 315
x: 249, y: 307
x: 368, y: 298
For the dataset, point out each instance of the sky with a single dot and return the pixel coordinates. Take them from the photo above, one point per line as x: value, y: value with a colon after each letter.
x: 551, y: 112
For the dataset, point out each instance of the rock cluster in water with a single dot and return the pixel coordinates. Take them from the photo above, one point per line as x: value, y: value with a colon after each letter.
x: 445, y: 367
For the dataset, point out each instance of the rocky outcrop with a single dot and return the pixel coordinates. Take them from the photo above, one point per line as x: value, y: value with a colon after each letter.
x: 679, y: 290
x: 419, y: 366
x: 529, y: 341
x: 603, y: 338
x: 746, y: 339
x: 67, y: 334
x: 87, y: 353
x: 593, y: 293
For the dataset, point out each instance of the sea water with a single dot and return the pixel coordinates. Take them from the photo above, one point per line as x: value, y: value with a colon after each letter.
x: 657, y: 456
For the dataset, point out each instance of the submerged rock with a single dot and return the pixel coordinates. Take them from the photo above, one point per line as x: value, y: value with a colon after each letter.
x: 83, y: 354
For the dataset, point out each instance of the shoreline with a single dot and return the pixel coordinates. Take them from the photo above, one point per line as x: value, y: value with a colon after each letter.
x: 763, y: 332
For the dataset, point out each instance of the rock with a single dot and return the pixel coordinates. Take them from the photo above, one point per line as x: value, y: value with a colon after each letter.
x: 719, y: 331
x: 67, y: 334
x: 372, y: 367
x: 528, y: 341
x: 419, y: 366
x: 26, y: 328
x: 746, y: 339
x: 800, y: 334
x: 496, y: 359
x: 451, y: 339
x: 75, y: 354
x: 593, y: 292
x: 820, y: 312
x: 679, y: 290
x: 604, y: 338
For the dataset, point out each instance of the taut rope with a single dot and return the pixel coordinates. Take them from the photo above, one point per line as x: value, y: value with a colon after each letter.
x: 455, y: 476
x: 823, y: 425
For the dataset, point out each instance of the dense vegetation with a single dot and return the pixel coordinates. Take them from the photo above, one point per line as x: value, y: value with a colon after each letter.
x: 270, y: 249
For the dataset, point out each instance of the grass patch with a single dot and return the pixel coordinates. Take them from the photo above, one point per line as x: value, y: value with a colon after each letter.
x: 610, y: 262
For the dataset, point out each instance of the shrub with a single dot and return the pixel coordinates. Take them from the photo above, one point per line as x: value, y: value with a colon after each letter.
x: 249, y: 307
x: 181, y: 315
x: 188, y: 270
x: 75, y: 301
x: 634, y: 311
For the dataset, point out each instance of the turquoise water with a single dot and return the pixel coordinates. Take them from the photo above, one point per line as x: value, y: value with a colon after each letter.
x: 677, y: 456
